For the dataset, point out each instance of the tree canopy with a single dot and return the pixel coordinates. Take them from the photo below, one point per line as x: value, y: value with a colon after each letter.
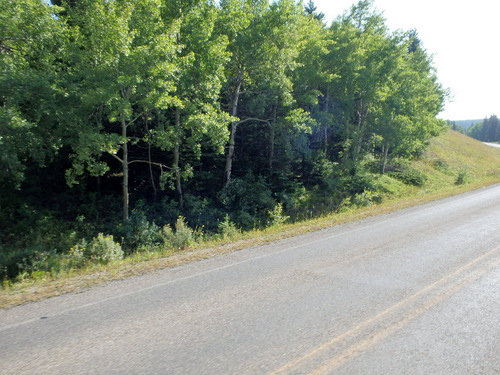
x: 120, y: 113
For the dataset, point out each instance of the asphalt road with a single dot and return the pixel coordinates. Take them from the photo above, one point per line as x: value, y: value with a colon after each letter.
x: 413, y: 292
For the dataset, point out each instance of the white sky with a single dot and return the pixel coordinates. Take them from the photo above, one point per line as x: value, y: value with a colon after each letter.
x: 463, y: 36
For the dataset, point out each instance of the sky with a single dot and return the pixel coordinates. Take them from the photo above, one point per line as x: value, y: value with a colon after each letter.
x: 463, y: 36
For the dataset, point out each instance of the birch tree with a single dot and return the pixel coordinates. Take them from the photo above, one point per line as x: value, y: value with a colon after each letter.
x: 128, y: 61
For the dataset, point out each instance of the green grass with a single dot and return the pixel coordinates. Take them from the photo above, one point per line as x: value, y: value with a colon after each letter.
x: 453, y: 164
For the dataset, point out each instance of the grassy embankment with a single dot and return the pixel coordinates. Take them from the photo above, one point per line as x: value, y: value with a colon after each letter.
x: 453, y: 164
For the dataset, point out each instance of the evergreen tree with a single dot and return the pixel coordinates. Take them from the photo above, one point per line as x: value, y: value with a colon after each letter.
x: 310, y: 10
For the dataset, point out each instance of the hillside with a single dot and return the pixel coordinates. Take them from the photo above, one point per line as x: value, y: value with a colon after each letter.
x: 453, y: 163
x: 453, y: 153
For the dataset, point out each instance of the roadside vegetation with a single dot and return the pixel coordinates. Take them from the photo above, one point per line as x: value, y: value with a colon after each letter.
x: 137, y: 134
x: 453, y: 164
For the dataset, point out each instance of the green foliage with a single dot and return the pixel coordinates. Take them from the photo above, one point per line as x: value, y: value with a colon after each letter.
x: 138, y: 233
x: 39, y: 264
x: 182, y: 238
x: 463, y: 177
x: 103, y: 249
x: 367, y: 198
x: 326, y: 172
x: 487, y: 131
x: 249, y: 200
x: 357, y: 184
x: 385, y: 184
x: 402, y: 170
x: 441, y: 165
x: 77, y: 256
x: 410, y: 176
x: 31, y: 43
x: 276, y: 216
x: 219, y: 114
x: 227, y: 229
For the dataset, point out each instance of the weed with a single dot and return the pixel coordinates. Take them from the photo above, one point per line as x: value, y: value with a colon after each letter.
x: 227, y: 228
x: 182, y: 238
x: 276, y: 216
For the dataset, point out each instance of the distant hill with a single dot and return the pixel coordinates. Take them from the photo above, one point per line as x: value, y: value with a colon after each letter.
x: 466, y: 124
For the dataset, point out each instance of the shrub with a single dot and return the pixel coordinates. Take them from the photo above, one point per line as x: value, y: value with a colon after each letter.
x: 357, y: 184
x: 276, y: 217
x: 248, y: 199
x: 387, y: 184
x: 38, y: 264
x: 138, y: 233
x: 182, y: 238
x: 410, y: 176
x: 104, y: 249
x: 227, y: 228
x: 441, y: 165
x: 76, y: 258
x: 463, y: 177
x: 367, y: 198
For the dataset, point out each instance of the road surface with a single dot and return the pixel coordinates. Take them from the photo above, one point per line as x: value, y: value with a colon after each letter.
x: 413, y: 292
x: 492, y: 144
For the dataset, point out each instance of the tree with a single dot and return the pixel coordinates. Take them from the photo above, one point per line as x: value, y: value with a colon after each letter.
x: 197, y: 116
x: 358, y: 61
x: 127, y: 64
x: 238, y: 22
x: 310, y: 10
x: 264, y: 45
x: 31, y: 43
x: 384, y: 84
x: 493, y: 128
x: 411, y: 98
x: 477, y: 130
x: 284, y: 38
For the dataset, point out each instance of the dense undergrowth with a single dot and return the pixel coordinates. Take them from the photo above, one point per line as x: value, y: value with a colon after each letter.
x: 453, y: 163
x: 44, y: 240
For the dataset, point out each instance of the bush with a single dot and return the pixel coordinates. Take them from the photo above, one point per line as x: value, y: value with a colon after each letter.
x: 463, y: 177
x: 402, y: 170
x: 441, y: 165
x: 276, y: 217
x: 227, y: 228
x: 14, y: 262
x: 138, y: 233
x: 39, y: 264
x: 249, y: 200
x: 182, y: 238
x: 76, y: 258
x: 387, y: 184
x: 104, y: 249
x: 357, y: 184
x: 410, y: 176
x: 367, y: 198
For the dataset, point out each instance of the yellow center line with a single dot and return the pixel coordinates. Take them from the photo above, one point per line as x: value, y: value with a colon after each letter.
x: 382, y: 334
x: 379, y: 316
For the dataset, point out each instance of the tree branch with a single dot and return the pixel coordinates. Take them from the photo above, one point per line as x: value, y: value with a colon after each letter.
x: 150, y: 163
x: 116, y: 157
x: 253, y: 119
x: 134, y: 120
